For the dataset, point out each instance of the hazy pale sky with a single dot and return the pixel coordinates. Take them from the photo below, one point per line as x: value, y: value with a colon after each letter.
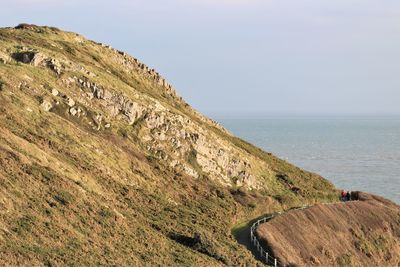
x: 233, y: 56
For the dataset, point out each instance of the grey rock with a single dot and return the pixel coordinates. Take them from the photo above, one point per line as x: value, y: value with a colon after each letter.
x: 25, y: 57
x: 71, y: 102
x: 73, y: 111
x: 38, y: 59
x: 54, y: 92
x: 55, y: 65
x: 46, y: 105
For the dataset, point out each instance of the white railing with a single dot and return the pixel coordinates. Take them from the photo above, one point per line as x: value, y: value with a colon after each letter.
x: 269, y: 260
x: 256, y: 243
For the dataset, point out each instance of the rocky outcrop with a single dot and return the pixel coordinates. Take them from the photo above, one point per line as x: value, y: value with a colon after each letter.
x: 24, y: 57
x: 133, y: 64
x: 4, y: 58
x: 30, y: 56
x: 116, y: 104
x: 171, y: 137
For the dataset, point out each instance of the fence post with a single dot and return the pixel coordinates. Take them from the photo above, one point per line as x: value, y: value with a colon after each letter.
x: 261, y: 251
x: 266, y: 257
x: 275, y: 263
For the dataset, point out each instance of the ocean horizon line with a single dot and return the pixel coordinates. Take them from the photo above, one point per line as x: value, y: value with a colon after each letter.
x: 266, y: 115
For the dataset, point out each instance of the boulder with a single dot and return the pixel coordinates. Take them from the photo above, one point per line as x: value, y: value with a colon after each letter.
x: 46, y: 105
x: 30, y: 57
x: 55, y: 65
x: 71, y: 102
x: 25, y: 57
x: 54, y: 92
x: 73, y: 111
x: 132, y: 111
x: 98, y: 92
x: 38, y: 59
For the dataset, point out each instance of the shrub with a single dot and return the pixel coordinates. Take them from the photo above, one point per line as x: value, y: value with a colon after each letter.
x: 64, y: 198
x: 24, y: 223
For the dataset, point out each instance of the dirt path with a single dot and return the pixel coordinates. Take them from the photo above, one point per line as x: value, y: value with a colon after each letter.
x: 362, y: 231
x: 241, y: 232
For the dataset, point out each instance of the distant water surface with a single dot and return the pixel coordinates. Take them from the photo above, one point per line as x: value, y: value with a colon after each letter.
x: 355, y: 153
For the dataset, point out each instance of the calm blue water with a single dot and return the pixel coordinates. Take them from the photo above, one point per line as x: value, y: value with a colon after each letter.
x: 355, y: 153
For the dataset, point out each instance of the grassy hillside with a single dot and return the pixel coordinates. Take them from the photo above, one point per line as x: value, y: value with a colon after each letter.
x: 361, y: 233
x: 102, y: 163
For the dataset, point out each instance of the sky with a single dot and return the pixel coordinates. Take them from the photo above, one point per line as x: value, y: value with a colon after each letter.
x: 248, y: 56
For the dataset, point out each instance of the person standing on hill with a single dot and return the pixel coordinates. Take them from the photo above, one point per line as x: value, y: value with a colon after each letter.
x: 343, y: 195
x: 348, y: 195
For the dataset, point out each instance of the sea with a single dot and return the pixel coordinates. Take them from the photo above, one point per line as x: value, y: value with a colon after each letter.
x: 354, y: 152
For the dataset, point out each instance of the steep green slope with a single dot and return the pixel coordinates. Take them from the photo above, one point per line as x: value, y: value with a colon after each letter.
x: 102, y: 163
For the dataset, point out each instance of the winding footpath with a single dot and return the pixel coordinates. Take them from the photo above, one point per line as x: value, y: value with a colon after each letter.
x: 247, y: 237
x: 263, y: 254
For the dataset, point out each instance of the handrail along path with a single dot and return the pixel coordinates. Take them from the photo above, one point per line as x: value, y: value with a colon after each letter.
x: 264, y: 254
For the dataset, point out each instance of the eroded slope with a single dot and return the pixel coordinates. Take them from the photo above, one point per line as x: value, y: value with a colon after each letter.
x: 365, y: 232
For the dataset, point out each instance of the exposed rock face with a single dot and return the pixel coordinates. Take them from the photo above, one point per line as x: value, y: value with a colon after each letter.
x: 31, y: 56
x: 164, y: 131
x: 133, y: 64
x: 356, y: 233
x: 4, y: 57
